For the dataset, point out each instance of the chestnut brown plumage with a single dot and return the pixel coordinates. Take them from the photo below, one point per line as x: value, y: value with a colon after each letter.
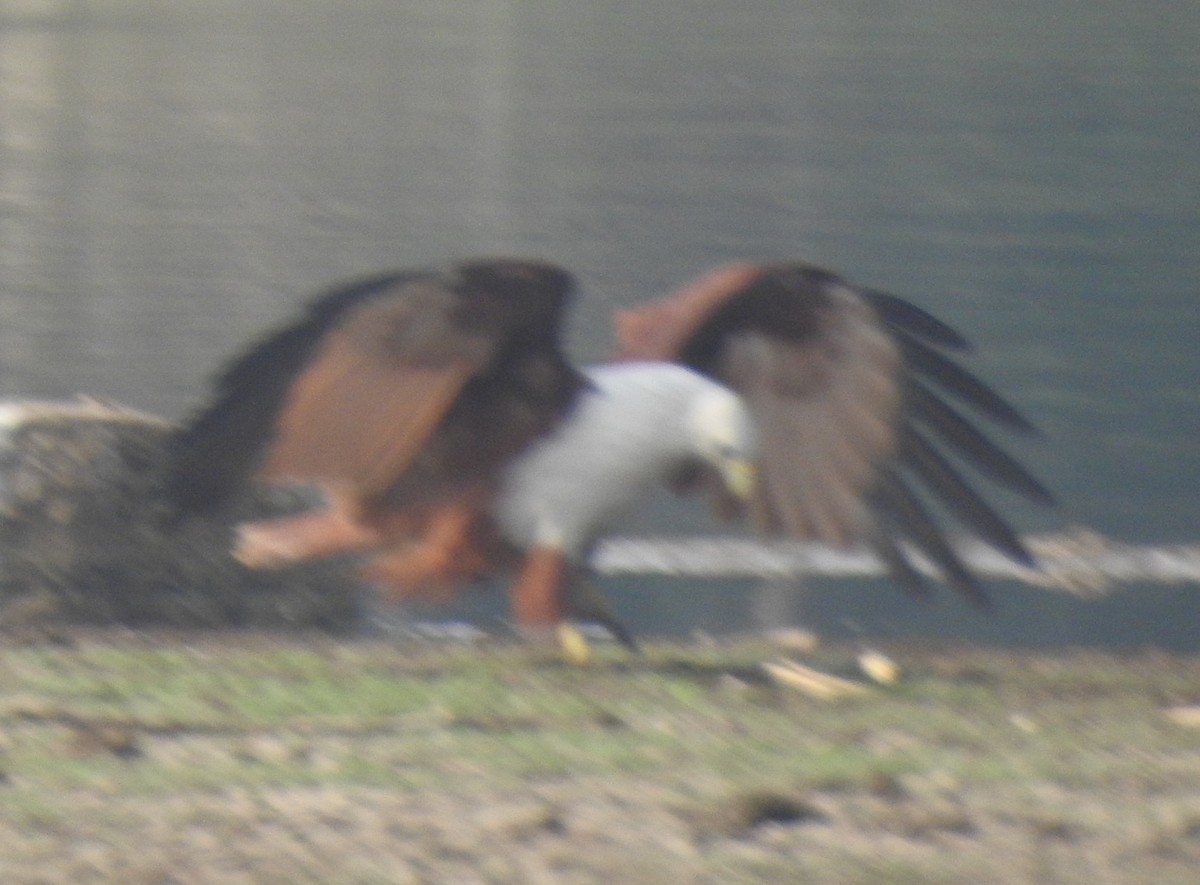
x: 398, y: 388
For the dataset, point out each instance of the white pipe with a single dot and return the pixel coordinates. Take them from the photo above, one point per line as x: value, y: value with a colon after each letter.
x: 1079, y: 561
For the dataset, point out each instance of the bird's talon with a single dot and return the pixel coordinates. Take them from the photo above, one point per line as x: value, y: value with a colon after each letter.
x: 574, y: 645
x: 255, y: 549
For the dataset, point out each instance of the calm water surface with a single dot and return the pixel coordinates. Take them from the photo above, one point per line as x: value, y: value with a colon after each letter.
x: 173, y: 180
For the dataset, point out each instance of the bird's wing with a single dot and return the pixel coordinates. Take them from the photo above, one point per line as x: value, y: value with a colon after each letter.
x: 374, y: 391
x: 351, y: 393
x: 848, y: 387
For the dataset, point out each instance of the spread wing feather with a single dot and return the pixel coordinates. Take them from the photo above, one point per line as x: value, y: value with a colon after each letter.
x: 818, y: 370
x: 948, y: 485
x: 923, y: 361
x: 382, y: 388
x: 374, y: 392
x: 925, y: 407
x: 217, y: 451
x: 392, y: 409
x: 908, y: 519
x: 841, y: 382
x: 904, y: 316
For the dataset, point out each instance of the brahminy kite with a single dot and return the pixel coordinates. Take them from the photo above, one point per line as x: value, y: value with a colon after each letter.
x: 453, y: 440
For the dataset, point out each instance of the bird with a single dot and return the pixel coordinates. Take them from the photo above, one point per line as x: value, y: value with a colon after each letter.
x: 454, y: 441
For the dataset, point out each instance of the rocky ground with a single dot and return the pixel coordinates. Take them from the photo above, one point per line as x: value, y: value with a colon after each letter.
x: 195, y: 757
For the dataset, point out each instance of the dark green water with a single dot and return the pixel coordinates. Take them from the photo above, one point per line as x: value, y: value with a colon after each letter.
x: 174, y: 177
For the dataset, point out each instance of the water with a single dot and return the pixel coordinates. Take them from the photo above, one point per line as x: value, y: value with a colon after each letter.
x: 173, y: 178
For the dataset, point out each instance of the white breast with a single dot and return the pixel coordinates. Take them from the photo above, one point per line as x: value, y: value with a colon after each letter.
x: 624, y: 435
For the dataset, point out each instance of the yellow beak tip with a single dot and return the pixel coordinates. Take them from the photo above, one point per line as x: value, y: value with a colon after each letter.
x: 741, y: 478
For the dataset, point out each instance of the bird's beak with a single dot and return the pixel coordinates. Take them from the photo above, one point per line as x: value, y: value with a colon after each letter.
x: 740, y: 476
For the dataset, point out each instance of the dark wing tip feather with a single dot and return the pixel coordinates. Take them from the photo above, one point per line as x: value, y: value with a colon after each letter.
x: 898, y: 567
x: 904, y: 316
x: 927, y: 362
x: 951, y: 428
x: 907, y: 518
x: 929, y: 423
x: 948, y: 486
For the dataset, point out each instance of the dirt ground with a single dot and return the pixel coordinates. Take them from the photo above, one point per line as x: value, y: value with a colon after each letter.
x: 152, y: 757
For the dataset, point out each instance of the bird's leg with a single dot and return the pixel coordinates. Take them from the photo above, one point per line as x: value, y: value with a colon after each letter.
x: 538, y: 603
x: 551, y: 588
x: 272, y: 543
x: 537, y: 594
x: 438, y: 560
